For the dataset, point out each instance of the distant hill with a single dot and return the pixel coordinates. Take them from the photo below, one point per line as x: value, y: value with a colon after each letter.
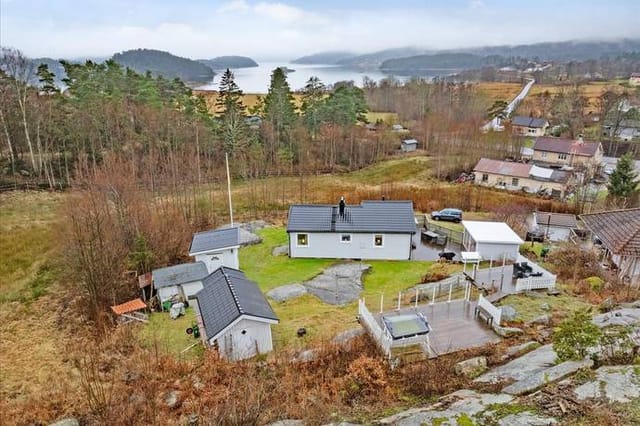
x: 375, y: 59
x: 324, y: 58
x: 164, y: 64
x: 561, y: 51
x: 451, y: 61
x: 224, y: 62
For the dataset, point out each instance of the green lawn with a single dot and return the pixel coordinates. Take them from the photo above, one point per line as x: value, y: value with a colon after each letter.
x: 170, y: 335
x: 414, y: 169
x: 272, y: 271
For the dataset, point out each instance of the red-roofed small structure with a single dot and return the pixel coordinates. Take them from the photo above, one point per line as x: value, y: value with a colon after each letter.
x: 128, y: 311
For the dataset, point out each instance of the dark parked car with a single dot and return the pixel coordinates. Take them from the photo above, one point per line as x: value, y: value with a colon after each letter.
x: 453, y: 215
x: 536, y: 234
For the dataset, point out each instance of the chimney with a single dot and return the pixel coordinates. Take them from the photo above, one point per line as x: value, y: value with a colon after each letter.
x: 341, y: 206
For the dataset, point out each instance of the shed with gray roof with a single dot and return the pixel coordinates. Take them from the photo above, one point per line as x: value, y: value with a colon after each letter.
x: 234, y: 314
x: 179, y: 281
x: 370, y: 230
x: 216, y: 248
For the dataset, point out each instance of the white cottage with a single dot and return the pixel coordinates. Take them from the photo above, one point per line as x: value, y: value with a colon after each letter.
x: 492, y: 240
x: 234, y: 315
x: 216, y: 248
x: 556, y: 226
x: 371, y: 230
x: 180, y: 281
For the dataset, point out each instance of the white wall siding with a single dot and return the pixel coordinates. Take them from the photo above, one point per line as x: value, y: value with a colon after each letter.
x: 235, y: 345
x: 496, y: 251
x: 214, y: 260
x: 329, y: 245
x: 166, y: 293
x: 190, y: 289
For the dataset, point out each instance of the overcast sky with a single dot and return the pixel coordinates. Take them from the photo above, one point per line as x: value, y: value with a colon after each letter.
x: 290, y: 28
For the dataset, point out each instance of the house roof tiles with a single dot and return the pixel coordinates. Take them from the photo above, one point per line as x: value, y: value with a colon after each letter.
x: 179, y: 274
x: 206, y: 241
x: 506, y: 168
x: 369, y: 216
x: 619, y: 230
x: 566, y: 146
x: 226, y: 295
x: 533, y: 122
x: 556, y: 219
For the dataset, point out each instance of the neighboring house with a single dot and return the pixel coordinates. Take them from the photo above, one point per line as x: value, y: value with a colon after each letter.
x: 556, y: 226
x: 619, y: 232
x: 634, y: 80
x: 522, y: 177
x: 182, y: 281
x: 492, y: 240
x: 528, y: 126
x: 567, y: 152
x: 216, y: 248
x: 371, y: 230
x: 610, y: 164
x: 626, y: 130
x: 234, y: 315
x: 408, y: 145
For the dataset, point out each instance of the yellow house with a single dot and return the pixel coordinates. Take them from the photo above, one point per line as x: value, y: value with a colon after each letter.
x: 567, y: 152
x: 528, y: 126
x: 522, y: 177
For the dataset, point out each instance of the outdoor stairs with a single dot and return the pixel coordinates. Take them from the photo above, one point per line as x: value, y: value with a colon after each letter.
x: 409, y: 354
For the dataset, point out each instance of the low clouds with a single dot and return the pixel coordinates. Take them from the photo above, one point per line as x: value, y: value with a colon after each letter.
x: 278, y: 29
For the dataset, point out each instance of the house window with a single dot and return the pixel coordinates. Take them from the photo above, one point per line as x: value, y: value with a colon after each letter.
x: 532, y: 130
x: 514, y: 182
x: 378, y: 240
x: 303, y: 240
x: 485, y: 177
x: 562, y: 156
x: 345, y: 238
x: 543, y: 154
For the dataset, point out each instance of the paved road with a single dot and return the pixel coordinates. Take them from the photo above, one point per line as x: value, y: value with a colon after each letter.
x: 495, y: 123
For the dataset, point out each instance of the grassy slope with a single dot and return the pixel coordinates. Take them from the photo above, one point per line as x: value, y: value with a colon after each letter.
x: 33, y: 348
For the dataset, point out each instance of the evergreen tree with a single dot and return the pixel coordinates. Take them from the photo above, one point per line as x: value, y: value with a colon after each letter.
x: 346, y: 105
x: 47, y: 79
x: 623, y: 181
x: 279, y: 109
x: 497, y: 109
x: 312, y: 98
x: 231, y: 111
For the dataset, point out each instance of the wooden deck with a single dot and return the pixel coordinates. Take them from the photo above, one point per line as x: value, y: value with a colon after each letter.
x: 453, y: 326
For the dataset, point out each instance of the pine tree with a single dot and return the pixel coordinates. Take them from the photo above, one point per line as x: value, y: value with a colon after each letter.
x: 279, y: 109
x: 47, y: 79
x: 312, y: 98
x: 231, y: 112
x: 623, y: 181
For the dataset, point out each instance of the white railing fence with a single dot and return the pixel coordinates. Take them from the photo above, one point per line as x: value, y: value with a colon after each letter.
x: 535, y: 283
x: 494, y: 311
x: 383, y: 340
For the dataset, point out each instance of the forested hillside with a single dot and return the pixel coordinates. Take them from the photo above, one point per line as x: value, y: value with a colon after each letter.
x: 164, y: 64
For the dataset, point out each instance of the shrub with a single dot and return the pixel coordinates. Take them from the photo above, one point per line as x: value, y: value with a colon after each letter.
x: 575, y: 335
x: 595, y: 283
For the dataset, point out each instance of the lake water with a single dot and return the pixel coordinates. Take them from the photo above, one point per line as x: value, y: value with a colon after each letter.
x: 257, y: 79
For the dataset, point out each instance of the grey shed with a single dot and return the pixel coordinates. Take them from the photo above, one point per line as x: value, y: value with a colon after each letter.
x: 179, y: 274
x: 207, y: 241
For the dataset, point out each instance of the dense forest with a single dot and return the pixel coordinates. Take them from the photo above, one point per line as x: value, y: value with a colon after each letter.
x: 164, y: 64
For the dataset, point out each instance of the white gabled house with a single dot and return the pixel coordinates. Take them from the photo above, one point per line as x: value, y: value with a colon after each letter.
x: 492, y: 240
x: 216, y: 248
x: 234, y: 316
x: 371, y: 230
x: 179, y: 281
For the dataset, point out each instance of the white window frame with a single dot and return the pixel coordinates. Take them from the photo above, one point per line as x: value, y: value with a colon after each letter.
x: 298, y: 239
x: 345, y: 241
x: 562, y: 156
x: 515, y: 181
x: 375, y: 236
x: 543, y: 154
x: 485, y: 177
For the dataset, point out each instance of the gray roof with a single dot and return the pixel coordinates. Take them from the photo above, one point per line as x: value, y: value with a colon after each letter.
x: 214, y: 240
x: 179, y: 274
x: 556, y: 219
x: 226, y: 295
x: 528, y: 122
x: 370, y: 216
x: 410, y: 142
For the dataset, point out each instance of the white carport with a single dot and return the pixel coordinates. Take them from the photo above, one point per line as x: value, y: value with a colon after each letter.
x: 491, y: 240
